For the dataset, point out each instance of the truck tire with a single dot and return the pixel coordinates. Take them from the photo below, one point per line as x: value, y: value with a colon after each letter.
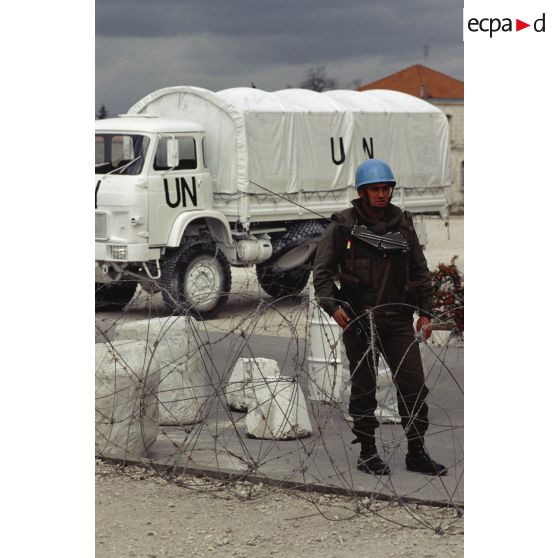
x: 195, y: 279
x: 114, y: 296
x: 279, y: 284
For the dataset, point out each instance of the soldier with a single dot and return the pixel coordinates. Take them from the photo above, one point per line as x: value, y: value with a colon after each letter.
x: 391, y: 284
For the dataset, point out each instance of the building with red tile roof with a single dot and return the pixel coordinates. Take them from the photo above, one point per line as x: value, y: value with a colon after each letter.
x: 421, y: 81
x: 445, y: 92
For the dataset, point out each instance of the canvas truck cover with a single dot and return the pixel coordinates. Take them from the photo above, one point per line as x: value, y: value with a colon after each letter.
x: 306, y: 146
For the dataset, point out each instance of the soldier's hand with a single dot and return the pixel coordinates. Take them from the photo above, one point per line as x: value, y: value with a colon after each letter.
x: 341, y: 317
x: 424, y: 328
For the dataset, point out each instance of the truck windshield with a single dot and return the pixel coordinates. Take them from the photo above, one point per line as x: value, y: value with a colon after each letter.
x: 120, y: 153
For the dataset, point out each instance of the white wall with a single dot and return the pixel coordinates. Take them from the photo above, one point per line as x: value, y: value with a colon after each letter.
x: 455, y: 110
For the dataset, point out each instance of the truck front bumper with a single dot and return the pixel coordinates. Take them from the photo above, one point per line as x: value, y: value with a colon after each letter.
x: 125, y: 253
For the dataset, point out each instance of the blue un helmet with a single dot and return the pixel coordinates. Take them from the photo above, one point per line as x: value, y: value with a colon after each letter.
x: 374, y: 171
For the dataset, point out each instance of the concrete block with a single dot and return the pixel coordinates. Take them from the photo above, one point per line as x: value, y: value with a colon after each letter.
x: 247, y: 370
x: 126, y: 404
x: 277, y: 410
x: 386, y: 395
x: 326, y: 377
x: 184, y: 389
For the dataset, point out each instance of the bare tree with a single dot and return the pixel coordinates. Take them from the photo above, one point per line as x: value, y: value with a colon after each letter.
x: 355, y: 84
x: 317, y: 79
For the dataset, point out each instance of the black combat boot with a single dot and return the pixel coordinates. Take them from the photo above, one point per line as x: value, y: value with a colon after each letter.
x: 370, y: 462
x: 419, y: 461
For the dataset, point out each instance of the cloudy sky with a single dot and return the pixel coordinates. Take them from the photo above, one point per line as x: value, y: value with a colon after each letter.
x: 143, y: 45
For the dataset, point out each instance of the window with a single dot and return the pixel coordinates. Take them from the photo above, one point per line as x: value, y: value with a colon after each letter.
x: 186, y: 154
x: 120, y: 153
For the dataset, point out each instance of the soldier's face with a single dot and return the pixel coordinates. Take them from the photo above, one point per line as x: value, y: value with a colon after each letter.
x: 377, y: 195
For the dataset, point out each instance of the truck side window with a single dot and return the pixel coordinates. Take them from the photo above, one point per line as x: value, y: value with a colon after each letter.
x: 186, y: 153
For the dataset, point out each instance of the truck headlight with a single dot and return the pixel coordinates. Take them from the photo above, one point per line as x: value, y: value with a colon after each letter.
x: 119, y: 251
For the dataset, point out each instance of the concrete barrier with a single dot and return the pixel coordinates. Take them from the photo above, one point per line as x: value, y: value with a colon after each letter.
x: 247, y: 370
x: 126, y: 404
x: 277, y: 410
x: 386, y: 395
x: 183, y: 390
x: 327, y: 379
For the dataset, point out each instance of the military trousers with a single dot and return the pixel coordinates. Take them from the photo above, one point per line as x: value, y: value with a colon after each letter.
x: 394, y: 338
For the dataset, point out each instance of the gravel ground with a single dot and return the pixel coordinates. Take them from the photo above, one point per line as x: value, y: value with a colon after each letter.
x: 141, y: 515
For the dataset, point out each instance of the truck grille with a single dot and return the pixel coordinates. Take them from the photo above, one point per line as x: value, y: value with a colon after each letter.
x: 100, y: 226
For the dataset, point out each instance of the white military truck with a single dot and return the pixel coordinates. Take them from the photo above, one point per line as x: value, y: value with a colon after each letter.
x: 190, y: 182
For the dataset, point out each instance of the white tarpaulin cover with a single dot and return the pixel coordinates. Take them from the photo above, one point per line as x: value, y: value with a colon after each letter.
x: 297, y: 140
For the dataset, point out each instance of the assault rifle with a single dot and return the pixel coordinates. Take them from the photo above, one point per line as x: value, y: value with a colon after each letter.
x: 389, y: 242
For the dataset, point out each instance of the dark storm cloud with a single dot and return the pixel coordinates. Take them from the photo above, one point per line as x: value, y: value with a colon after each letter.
x: 253, y: 17
x: 328, y: 24
x: 218, y: 43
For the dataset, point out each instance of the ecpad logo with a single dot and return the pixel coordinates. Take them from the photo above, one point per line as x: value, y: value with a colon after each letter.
x: 494, y: 24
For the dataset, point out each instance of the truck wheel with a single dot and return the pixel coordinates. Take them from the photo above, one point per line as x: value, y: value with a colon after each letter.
x: 196, y: 279
x: 279, y: 284
x: 114, y: 296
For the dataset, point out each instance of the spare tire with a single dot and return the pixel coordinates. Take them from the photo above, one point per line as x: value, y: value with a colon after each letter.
x: 285, y: 283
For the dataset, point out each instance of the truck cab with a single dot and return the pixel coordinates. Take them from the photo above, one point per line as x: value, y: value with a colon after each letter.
x: 149, y: 172
x: 139, y: 192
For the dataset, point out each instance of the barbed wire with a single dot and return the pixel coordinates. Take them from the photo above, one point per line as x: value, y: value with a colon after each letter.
x: 164, y: 391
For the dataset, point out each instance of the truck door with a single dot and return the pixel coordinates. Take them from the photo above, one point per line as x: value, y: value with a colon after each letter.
x: 175, y: 190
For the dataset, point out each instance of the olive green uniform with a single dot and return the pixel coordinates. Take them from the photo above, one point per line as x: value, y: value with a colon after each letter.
x: 393, y: 285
